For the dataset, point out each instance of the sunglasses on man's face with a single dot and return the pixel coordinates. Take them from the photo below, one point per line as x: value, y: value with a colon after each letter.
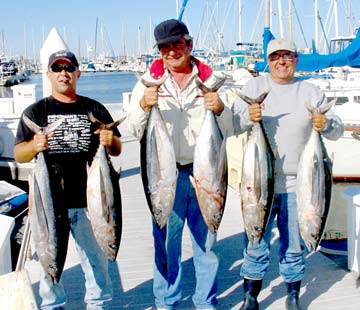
x: 67, y: 68
x: 285, y: 56
x: 167, y: 46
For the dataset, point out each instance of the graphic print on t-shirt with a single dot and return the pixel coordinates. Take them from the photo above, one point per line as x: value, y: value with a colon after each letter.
x: 72, y: 136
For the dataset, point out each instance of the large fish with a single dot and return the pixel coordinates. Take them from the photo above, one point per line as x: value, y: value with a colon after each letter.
x: 158, y: 164
x: 104, y: 198
x: 314, y: 184
x: 210, y: 167
x: 48, y: 219
x: 257, y: 179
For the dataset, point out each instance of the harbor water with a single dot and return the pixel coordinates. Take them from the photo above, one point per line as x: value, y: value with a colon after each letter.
x: 105, y: 87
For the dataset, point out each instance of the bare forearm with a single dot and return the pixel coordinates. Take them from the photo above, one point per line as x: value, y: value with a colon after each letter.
x: 25, y: 151
x: 116, y: 146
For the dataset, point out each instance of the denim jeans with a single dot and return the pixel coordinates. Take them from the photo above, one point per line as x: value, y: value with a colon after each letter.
x: 292, y: 262
x: 167, y: 241
x: 93, y: 263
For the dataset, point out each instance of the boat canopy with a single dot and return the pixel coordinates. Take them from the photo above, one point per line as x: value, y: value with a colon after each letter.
x: 350, y: 56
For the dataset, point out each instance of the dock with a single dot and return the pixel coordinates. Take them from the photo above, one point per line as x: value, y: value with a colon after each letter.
x: 327, y: 283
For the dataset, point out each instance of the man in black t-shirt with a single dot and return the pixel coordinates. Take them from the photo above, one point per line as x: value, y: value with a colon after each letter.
x: 67, y: 151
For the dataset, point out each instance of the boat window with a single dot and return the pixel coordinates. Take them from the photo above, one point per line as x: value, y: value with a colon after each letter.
x: 339, y: 100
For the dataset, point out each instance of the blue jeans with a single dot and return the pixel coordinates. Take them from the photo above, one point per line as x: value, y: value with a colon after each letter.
x: 167, y: 241
x: 292, y: 262
x: 93, y: 263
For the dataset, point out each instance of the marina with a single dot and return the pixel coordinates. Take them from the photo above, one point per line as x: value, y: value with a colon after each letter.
x: 332, y: 278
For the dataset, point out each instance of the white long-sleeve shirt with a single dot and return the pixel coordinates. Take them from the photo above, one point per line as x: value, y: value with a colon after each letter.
x: 286, y: 121
x: 183, y: 112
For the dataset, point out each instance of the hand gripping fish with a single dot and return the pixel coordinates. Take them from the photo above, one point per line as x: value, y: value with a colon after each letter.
x: 210, y: 167
x: 48, y: 219
x: 158, y: 164
x: 104, y: 198
x: 314, y: 184
x: 257, y: 179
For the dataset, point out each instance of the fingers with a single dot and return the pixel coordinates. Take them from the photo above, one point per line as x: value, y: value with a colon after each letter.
x: 213, y: 102
x: 150, y: 98
x: 319, y: 122
x: 255, y: 113
x: 105, y: 137
x: 40, y: 143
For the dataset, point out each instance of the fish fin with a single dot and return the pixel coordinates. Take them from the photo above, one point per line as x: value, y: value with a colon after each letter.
x: 206, y: 89
x: 153, y: 82
x: 326, y: 107
x: 262, y: 97
x: 250, y: 101
x: 320, y: 109
x: 41, y: 130
x: 31, y: 125
x: 101, y: 125
x: 95, y: 121
x: 202, y: 86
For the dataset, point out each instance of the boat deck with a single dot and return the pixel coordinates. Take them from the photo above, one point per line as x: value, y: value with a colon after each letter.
x: 327, y: 284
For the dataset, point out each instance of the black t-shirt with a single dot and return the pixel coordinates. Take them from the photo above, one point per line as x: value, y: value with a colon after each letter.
x: 72, y: 146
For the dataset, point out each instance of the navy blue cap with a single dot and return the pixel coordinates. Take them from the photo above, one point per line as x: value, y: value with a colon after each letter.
x: 64, y: 55
x: 170, y: 31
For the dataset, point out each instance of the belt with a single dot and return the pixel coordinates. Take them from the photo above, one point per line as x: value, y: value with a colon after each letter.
x: 184, y: 167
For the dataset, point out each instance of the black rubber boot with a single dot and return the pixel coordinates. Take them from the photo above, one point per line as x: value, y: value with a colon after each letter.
x: 292, y: 300
x: 252, y: 289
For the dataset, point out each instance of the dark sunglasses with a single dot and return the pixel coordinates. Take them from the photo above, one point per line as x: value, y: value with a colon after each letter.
x: 287, y: 56
x: 167, y: 46
x: 67, y: 68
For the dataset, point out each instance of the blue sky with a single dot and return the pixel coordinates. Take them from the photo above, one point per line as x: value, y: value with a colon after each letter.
x: 128, y: 24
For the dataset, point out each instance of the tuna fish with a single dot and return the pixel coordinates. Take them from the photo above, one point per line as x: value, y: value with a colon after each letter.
x: 210, y: 167
x: 104, y: 198
x: 257, y: 180
x: 158, y: 164
x: 48, y: 219
x: 314, y: 184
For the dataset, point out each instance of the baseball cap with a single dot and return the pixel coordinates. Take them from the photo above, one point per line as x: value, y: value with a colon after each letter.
x: 63, y: 55
x: 280, y: 45
x: 170, y: 31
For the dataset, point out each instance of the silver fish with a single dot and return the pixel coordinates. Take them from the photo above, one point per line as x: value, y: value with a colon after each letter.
x: 257, y: 179
x: 46, y: 217
x: 210, y: 178
x: 158, y: 164
x: 104, y: 198
x: 313, y: 187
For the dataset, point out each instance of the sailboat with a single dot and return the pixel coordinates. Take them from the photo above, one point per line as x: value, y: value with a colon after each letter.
x: 104, y: 52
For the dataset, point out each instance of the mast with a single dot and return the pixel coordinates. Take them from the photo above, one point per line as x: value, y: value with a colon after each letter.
x: 240, y: 20
x: 95, y: 46
x: 281, y: 19
x: 267, y: 14
x: 316, y: 14
x: 182, y: 10
x: 290, y: 21
x: 336, y: 18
